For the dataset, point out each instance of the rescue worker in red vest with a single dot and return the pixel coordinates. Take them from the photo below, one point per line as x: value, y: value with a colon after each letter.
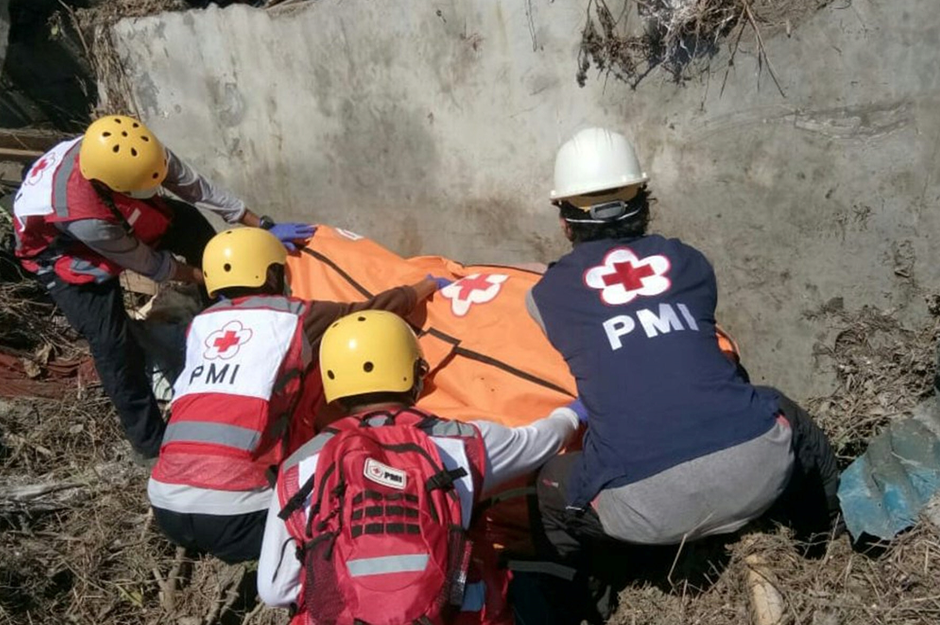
x: 679, y: 445
x: 92, y: 207
x: 372, y: 366
x: 247, y: 394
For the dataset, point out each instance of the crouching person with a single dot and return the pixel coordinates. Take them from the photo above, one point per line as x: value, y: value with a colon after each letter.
x: 371, y: 522
x: 244, y: 400
x: 678, y: 445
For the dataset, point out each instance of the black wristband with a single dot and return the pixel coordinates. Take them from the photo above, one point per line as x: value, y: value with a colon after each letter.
x: 265, y: 222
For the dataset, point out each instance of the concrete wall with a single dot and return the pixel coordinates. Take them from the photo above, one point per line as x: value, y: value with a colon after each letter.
x: 433, y: 127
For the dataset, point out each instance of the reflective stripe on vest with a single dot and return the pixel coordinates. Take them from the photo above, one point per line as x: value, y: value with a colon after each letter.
x: 61, y: 181
x: 212, y: 433
x: 83, y: 267
x: 236, y: 395
x: 308, y: 450
x: 387, y: 564
x: 281, y: 304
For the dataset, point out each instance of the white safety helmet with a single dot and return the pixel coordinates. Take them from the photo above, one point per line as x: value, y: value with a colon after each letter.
x: 595, y: 160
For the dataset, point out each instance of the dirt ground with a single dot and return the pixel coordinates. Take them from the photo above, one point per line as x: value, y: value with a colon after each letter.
x: 78, y: 543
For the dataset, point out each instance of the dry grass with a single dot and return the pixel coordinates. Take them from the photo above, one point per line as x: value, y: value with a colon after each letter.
x: 897, y: 587
x: 883, y: 369
x: 679, y: 36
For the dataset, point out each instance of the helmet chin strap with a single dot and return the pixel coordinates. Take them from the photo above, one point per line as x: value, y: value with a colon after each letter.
x: 607, y: 212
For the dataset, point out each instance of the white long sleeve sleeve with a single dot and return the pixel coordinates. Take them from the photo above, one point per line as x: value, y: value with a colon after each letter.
x: 511, y: 452
x: 190, y: 186
x: 278, y: 567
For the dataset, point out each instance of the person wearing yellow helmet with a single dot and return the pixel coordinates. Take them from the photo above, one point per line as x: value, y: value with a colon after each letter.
x: 94, y: 206
x: 247, y: 394
x: 373, y: 372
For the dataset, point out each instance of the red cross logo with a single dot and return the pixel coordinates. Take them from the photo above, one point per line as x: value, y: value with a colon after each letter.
x: 40, y: 167
x: 624, y: 276
x: 225, y: 342
x: 477, y: 288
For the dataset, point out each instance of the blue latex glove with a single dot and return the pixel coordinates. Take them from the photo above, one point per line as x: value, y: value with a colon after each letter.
x: 287, y: 233
x: 441, y: 282
x: 579, y: 410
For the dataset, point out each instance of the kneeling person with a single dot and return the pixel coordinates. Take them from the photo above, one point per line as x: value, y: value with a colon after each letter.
x: 371, y: 519
x: 244, y: 400
x: 679, y: 444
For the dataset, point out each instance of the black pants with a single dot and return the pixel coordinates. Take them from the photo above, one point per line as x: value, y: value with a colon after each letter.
x: 574, y: 538
x: 810, y: 503
x: 97, y: 312
x: 232, y: 539
x: 566, y: 534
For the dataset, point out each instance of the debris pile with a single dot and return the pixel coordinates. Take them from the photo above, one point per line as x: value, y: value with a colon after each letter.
x: 676, y: 34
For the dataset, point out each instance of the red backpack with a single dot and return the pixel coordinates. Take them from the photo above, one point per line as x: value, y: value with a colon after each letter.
x: 384, y: 542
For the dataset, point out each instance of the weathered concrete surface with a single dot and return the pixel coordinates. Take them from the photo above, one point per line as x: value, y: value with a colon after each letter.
x: 433, y: 127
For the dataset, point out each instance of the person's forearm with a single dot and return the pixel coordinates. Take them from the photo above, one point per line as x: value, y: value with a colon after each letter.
x: 125, y: 250
x: 511, y: 452
x: 400, y: 300
x: 187, y: 273
x: 423, y: 290
x: 191, y: 187
x: 251, y: 219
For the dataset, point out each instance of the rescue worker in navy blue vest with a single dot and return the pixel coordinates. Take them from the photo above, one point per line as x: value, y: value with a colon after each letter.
x: 247, y: 395
x: 94, y: 206
x: 678, y: 444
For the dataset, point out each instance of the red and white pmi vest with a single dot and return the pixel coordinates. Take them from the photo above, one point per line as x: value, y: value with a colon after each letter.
x: 55, y: 192
x: 241, y: 399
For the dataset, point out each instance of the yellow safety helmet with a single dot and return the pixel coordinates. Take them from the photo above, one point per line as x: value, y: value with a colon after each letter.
x: 369, y: 352
x: 240, y: 258
x: 122, y: 153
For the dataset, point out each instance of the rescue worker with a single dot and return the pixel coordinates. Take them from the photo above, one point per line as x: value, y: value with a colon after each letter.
x: 92, y: 207
x: 372, y: 368
x: 247, y: 394
x: 678, y: 445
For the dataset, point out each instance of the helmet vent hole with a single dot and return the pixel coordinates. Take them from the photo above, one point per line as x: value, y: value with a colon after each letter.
x: 117, y: 120
x: 156, y: 175
x: 330, y: 375
x: 361, y: 319
x: 227, y: 267
x: 116, y: 149
x: 133, y: 152
x: 105, y: 134
x: 136, y: 125
x: 368, y: 367
x: 144, y: 138
x: 124, y: 133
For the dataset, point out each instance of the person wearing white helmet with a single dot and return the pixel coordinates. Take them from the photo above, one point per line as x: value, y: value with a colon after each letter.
x: 679, y: 445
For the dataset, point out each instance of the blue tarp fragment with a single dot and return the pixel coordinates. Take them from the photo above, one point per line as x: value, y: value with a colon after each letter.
x: 883, y: 491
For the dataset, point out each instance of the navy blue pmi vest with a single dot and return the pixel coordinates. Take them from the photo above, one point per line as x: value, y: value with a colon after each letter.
x: 635, y: 320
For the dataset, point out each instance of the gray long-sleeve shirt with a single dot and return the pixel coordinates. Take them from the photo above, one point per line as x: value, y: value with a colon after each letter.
x: 110, y: 240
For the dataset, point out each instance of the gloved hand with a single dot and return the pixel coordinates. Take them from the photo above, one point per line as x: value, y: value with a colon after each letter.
x: 287, y: 233
x: 441, y: 282
x: 579, y: 410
